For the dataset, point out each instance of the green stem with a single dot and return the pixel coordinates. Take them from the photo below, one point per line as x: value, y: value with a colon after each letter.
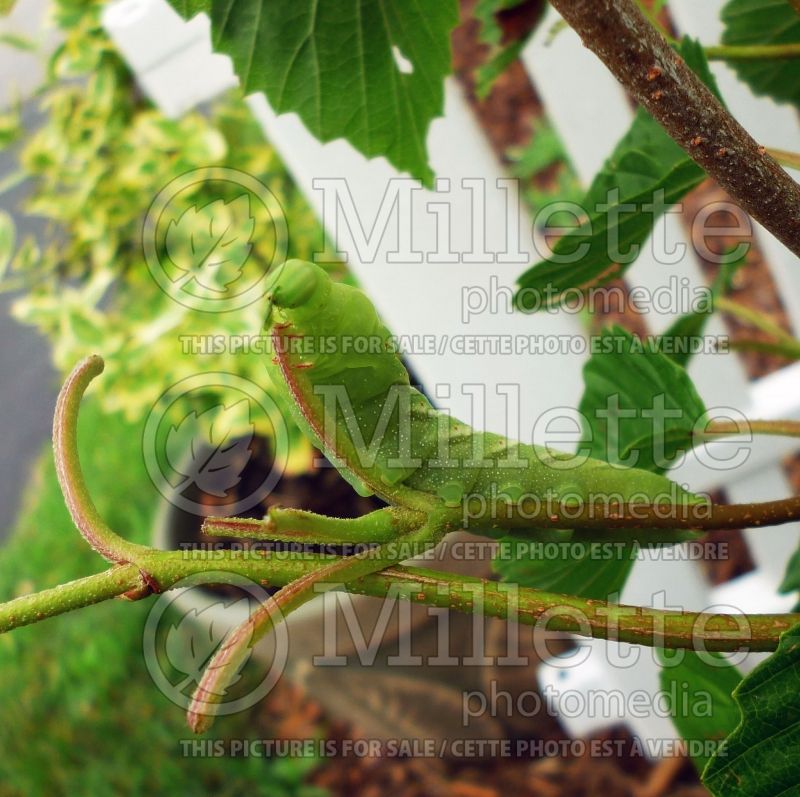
x: 725, y: 428
x: 65, y: 450
x: 591, y: 618
x: 784, y: 157
x: 766, y: 347
x: 87, y: 591
x: 752, y: 52
x: 297, y: 525
x: 754, y: 318
x: 532, y: 513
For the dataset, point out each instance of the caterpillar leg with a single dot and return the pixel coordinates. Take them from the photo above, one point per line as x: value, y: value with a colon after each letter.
x: 297, y: 525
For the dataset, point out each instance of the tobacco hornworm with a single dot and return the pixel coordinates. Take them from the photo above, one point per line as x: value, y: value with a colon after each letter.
x: 351, y: 393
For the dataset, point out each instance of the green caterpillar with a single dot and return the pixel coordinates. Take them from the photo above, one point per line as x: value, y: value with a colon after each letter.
x: 351, y: 393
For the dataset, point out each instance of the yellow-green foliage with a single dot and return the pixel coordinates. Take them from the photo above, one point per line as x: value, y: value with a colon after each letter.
x: 99, y: 159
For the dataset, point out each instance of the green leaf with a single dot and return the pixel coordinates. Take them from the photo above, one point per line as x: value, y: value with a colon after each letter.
x: 545, y: 150
x: 699, y: 697
x: 602, y: 247
x: 759, y: 22
x: 337, y: 64
x: 571, y: 566
x: 627, y: 383
x: 486, y: 74
x: 7, y: 237
x: 791, y: 579
x: 209, y: 245
x: 6, y: 7
x: 491, y: 33
x: 679, y: 339
x: 762, y: 756
x: 10, y: 131
x: 17, y: 41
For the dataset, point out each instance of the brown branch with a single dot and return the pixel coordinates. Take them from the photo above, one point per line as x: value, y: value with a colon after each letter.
x: 642, y: 60
x: 68, y: 467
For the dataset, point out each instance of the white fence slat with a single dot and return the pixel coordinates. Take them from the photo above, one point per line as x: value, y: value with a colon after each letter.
x: 772, y: 547
x: 172, y: 58
x: 586, y: 105
x: 785, y: 268
x: 23, y: 71
x: 412, y: 303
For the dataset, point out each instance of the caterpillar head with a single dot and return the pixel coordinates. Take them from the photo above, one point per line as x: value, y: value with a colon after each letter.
x: 296, y: 286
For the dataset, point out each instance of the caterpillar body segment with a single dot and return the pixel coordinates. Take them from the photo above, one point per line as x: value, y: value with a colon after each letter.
x: 352, y: 395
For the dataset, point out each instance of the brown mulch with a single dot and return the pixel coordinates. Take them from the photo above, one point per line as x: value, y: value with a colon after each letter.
x: 289, y: 714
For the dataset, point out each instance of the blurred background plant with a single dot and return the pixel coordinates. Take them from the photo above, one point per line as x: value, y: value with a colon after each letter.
x: 544, y: 157
x: 100, y: 156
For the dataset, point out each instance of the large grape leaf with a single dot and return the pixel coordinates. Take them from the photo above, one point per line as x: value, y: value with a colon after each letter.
x: 372, y: 73
x: 761, y: 758
x: 699, y: 695
x: 645, y: 161
x: 626, y: 368
x: 757, y: 22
